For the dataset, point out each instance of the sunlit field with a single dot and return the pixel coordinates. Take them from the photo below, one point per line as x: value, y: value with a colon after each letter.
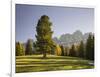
x: 35, y: 63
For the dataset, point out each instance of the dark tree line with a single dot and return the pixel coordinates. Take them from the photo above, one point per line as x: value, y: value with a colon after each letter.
x: 84, y: 50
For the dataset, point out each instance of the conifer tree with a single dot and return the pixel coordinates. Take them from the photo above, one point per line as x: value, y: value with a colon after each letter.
x: 90, y: 47
x: 92, y: 54
x: 19, y: 49
x: 29, y: 47
x: 72, y: 51
x: 66, y: 51
x: 81, y: 50
x: 44, y: 35
x: 62, y: 50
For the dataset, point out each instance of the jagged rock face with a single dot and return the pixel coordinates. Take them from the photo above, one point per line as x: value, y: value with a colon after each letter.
x: 69, y: 39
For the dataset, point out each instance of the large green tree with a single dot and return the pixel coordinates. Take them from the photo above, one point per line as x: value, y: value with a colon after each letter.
x: 29, y: 47
x: 44, y: 41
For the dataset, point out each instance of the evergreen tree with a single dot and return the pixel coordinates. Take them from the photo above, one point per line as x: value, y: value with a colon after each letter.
x: 44, y: 36
x: 19, y: 49
x: 72, y: 51
x: 66, y: 51
x: 29, y: 47
x: 90, y: 47
x: 62, y: 50
x: 81, y: 50
x: 92, y: 54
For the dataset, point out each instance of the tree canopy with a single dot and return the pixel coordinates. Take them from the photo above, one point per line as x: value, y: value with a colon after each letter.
x: 44, y: 35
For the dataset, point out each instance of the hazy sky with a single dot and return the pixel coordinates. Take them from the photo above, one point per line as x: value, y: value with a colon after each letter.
x: 64, y: 19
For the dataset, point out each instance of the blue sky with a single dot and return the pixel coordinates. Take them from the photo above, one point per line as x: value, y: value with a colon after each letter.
x: 64, y: 20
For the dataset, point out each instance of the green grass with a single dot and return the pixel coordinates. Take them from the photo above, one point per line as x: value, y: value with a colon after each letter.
x: 35, y: 63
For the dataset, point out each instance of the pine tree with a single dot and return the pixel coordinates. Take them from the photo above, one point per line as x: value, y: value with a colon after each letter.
x: 72, y: 51
x: 29, y: 47
x: 66, y: 51
x: 90, y: 47
x: 44, y: 36
x: 62, y: 50
x: 81, y: 50
x: 92, y: 54
x: 19, y: 49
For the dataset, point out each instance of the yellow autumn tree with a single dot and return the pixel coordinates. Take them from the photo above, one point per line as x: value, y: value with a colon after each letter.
x: 58, y: 50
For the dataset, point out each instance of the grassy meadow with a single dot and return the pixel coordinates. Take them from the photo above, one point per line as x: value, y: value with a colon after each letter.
x: 35, y: 63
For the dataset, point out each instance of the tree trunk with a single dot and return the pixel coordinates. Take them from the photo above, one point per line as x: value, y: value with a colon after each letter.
x: 44, y: 54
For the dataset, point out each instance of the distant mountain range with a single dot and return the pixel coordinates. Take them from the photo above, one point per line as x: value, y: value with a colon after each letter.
x: 69, y: 39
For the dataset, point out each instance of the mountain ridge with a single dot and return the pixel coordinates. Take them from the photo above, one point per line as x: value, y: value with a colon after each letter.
x: 74, y: 38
